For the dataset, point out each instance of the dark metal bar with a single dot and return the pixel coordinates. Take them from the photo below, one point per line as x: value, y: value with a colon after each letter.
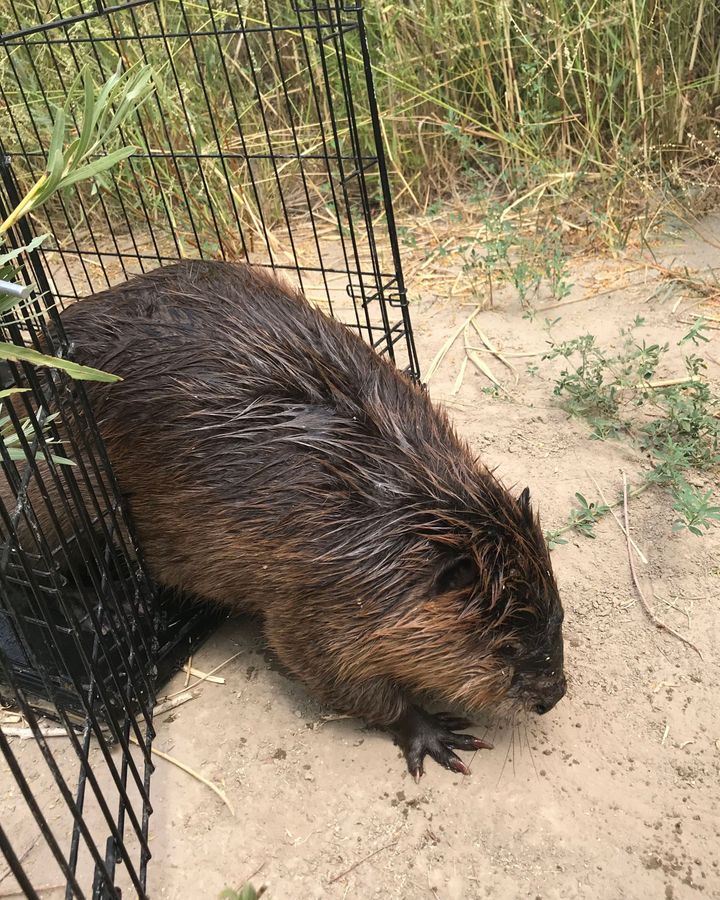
x: 79, y: 802
x: 339, y: 40
x: 343, y: 184
x: 224, y: 154
x: 70, y: 20
x: 193, y: 142
x: 291, y: 124
x: 330, y: 270
x: 387, y: 197
x: 11, y: 39
x: 268, y: 139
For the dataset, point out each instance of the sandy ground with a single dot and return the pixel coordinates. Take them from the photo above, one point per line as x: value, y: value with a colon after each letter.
x: 614, y: 794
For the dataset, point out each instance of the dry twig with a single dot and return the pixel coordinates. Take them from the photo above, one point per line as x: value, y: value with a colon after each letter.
x: 253, y: 874
x: 198, y: 673
x: 646, y: 606
x: 10, y: 718
x: 477, y: 362
x: 205, y: 677
x: 361, y: 861
x: 166, y: 705
x: 25, y: 733
x: 460, y: 377
x: 615, y: 516
x: 448, y: 344
x: 670, y: 382
x: 6, y: 871
x: 685, y: 277
x: 181, y: 765
x: 495, y: 352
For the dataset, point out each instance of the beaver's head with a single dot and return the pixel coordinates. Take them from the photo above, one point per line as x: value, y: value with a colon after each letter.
x: 498, y: 579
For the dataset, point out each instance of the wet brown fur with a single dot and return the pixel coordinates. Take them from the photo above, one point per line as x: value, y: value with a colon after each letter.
x: 274, y: 463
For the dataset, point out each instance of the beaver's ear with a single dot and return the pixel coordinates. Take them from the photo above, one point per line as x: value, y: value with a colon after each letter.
x: 455, y: 574
x: 524, y: 501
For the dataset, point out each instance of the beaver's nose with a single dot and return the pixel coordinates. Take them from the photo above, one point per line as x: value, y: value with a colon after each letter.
x: 551, y: 698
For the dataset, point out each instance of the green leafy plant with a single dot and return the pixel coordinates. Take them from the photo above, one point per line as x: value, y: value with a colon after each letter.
x: 555, y: 266
x: 583, y: 519
x: 694, y: 508
x: 508, y: 254
x: 83, y: 158
x: 247, y: 892
x: 68, y: 163
x: 676, y: 422
x: 11, y: 438
x: 696, y: 333
x: 15, y: 353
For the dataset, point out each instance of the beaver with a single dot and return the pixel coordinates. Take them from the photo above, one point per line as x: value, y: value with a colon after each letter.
x: 274, y: 463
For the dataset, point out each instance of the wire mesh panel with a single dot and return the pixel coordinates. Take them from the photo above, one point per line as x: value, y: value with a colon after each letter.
x: 78, y: 625
x: 262, y: 142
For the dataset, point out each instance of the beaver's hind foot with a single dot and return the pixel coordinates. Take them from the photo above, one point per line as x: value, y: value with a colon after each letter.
x: 420, y: 734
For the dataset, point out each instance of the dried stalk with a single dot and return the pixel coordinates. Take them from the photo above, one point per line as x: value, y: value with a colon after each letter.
x: 646, y: 606
x: 360, y: 861
x: 201, y: 778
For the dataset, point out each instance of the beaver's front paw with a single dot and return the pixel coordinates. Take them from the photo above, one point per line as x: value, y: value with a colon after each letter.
x: 420, y: 734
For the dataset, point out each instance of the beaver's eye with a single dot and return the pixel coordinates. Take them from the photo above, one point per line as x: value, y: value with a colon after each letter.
x: 509, y: 651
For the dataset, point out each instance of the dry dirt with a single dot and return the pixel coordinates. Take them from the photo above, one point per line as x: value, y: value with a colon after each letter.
x: 614, y: 794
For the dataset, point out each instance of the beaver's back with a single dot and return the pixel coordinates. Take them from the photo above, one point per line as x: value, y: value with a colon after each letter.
x: 213, y: 332
x: 261, y: 445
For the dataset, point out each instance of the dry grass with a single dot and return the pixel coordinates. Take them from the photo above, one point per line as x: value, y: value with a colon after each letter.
x: 607, y: 106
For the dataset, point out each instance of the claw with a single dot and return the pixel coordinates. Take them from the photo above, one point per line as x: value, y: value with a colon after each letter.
x: 457, y: 765
x: 421, y: 734
x: 459, y: 741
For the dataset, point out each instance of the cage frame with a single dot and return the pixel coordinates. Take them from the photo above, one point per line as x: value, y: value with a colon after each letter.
x: 375, y: 288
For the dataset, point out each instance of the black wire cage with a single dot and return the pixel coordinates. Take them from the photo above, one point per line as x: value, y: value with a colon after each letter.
x: 260, y: 141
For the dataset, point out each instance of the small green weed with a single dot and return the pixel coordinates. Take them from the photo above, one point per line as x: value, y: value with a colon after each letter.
x: 696, y: 333
x: 407, y: 238
x: 582, y: 519
x: 675, y: 422
x: 555, y: 267
x: 507, y: 254
x: 694, y: 508
x: 247, y: 892
x: 11, y: 440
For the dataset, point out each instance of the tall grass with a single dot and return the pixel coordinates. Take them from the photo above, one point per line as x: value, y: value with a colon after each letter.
x: 581, y: 83
x: 604, y: 97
